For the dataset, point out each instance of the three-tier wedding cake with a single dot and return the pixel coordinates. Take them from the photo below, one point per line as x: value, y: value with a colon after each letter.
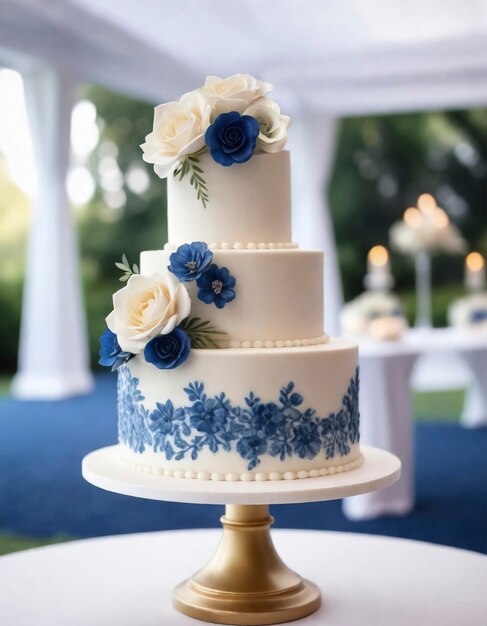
x: 224, y: 368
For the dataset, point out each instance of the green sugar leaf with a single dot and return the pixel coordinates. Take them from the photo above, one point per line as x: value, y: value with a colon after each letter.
x: 189, y: 165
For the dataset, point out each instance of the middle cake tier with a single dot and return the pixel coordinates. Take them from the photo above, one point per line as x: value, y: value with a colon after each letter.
x: 279, y: 297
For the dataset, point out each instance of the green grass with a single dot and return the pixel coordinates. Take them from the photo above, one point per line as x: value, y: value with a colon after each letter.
x: 14, y: 543
x: 438, y: 405
x: 5, y: 385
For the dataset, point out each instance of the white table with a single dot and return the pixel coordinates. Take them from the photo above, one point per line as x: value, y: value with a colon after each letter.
x: 386, y: 405
x: 128, y: 579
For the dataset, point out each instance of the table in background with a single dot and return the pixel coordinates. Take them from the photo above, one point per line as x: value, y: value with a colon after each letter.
x: 128, y: 579
x: 386, y: 405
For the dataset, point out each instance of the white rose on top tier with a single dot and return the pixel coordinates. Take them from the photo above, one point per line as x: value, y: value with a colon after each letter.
x: 228, y: 117
x: 146, y: 307
x: 179, y: 130
x: 273, y: 125
x: 234, y: 93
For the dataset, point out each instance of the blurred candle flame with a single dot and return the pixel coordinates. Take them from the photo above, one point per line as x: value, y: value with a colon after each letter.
x: 440, y: 218
x: 412, y: 217
x: 474, y: 261
x: 426, y: 203
x: 378, y: 255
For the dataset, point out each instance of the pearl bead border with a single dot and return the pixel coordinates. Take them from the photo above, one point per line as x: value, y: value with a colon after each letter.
x: 238, y: 245
x: 246, y: 476
x: 278, y: 343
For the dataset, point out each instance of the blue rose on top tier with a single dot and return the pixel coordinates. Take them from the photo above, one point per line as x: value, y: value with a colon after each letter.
x: 190, y: 260
x: 216, y: 286
x: 168, y: 351
x: 111, y: 354
x: 232, y: 138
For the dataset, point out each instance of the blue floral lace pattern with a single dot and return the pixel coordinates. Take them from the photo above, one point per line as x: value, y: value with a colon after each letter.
x: 281, y: 429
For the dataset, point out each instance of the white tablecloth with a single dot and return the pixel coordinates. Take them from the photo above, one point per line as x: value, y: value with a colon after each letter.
x: 127, y: 580
x: 386, y: 405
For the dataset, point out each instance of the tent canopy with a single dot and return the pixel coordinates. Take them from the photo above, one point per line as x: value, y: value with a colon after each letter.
x: 340, y: 56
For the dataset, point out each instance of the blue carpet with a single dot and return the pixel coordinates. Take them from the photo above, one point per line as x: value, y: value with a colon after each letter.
x: 42, y: 492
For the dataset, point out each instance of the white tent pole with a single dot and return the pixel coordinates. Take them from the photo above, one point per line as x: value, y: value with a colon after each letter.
x: 53, y: 356
x: 312, y: 141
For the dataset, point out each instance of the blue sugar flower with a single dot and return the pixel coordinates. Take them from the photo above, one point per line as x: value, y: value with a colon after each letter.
x: 208, y: 416
x: 216, y: 286
x: 306, y: 442
x: 190, y: 260
x: 232, y: 138
x: 111, y: 354
x: 168, y: 351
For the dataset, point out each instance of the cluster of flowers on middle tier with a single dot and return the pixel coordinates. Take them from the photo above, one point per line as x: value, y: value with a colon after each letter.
x: 281, y: 429
x: 151, y: 313
x: 231, y: 117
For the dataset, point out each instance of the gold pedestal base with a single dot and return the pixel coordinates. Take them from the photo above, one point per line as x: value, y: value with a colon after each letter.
x: 246, y: 583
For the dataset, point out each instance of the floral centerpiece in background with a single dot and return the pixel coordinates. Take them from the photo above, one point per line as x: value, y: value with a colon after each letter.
x: 424, y: 230
x: 470, y: 312
x: 376, y: 313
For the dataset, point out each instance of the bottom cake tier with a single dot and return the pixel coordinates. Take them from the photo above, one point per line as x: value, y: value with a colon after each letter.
x: 243, y: 414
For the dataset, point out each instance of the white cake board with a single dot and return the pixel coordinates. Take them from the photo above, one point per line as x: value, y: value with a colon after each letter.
x: 105, y: 468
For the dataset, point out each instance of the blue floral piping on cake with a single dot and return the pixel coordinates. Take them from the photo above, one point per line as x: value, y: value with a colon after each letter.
x: 282, y: 429
x: 132, y: 414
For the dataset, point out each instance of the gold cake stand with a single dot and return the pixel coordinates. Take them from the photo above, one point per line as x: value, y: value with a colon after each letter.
x: 245, y: 582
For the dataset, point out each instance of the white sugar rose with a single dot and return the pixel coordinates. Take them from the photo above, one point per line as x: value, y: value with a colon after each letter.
x: 146, y: 307
x: 179, y: 129
x: 234, y: 93
x: 273, y: 125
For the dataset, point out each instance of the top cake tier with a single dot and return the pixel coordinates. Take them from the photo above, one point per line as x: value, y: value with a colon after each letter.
x: 247, y: 204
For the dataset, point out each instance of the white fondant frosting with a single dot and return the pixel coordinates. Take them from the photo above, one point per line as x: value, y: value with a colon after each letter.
x: 279, y: 295
x: 321, y: 377
x: 248, y: 203
x: 246, y: 476
x: 280, y: 401
x: 280, y: 343
x: 238, y: 245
